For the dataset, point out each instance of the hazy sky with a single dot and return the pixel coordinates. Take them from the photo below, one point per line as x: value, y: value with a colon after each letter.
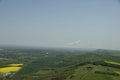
x: 60, y: 23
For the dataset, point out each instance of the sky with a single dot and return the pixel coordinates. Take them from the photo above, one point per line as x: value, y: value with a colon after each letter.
x: 60, y: 23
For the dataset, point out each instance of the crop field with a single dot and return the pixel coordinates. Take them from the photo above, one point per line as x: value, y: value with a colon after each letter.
x: 118, y: 72
x: 111, y: 62
x: 58, y: 65
x: 15, y: 65
x: 9, y: 69
x: 83, y: 73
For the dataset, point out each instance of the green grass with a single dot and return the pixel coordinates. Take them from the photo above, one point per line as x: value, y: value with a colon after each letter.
x: 82, y: 73
x: 43, y: 71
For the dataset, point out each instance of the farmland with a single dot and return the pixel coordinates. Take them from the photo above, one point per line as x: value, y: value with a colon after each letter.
x: 15, y: 65
x: 59, y: 64
x: 93, y: 73
x: 9, y: 69
x: 111, y: 62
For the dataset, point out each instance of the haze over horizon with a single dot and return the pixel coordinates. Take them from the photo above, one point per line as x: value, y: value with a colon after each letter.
x: 60, y: 23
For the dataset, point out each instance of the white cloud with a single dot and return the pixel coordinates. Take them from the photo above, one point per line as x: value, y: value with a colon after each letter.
x: 74, y: 43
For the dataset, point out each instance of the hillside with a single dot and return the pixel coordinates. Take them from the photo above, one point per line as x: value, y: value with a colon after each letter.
x: 52, y: 64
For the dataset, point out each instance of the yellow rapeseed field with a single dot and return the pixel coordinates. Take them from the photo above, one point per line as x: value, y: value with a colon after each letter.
x: 111, y: 62
x: 118, y: 72
x: 15, y: 65
x: 9, y: 69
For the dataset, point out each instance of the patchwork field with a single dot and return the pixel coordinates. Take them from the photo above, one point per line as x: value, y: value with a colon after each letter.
x: 59, y: 65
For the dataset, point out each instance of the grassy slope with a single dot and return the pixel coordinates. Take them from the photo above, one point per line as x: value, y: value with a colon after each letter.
x: 82, y: 73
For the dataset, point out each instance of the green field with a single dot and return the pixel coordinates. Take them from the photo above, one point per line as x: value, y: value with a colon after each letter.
x: 60, y: 64
x: 83, y: 73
